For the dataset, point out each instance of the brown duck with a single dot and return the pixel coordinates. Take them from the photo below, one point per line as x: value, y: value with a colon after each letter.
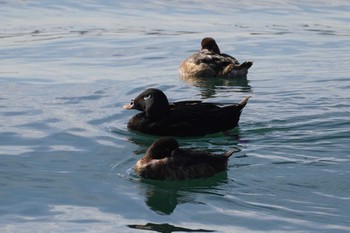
x: 210, y: 62
x: 164, y: 160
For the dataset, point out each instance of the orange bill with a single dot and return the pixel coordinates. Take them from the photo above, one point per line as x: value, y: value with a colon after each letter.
x: 128, y: 106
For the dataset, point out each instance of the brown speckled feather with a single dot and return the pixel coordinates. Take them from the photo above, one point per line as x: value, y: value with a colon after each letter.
x: 210, y: 62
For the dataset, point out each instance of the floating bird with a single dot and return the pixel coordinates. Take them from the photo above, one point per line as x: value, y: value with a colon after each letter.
x: 210, y: 62
x: 164, y: 160
x: 184, y: 118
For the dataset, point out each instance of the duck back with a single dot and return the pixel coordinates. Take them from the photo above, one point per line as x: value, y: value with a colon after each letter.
x: 184, y: 164
x: 189, y: 120
x: 210, y: 62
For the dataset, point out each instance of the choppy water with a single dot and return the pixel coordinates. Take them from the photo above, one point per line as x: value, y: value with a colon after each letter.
x: 66, y: 155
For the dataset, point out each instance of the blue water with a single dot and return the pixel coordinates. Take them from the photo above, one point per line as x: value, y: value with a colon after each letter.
x: 66, y: 156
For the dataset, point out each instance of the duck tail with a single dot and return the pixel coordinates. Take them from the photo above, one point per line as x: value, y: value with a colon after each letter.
x: 246, y: 65
x: 228, y: 153
x: 244, y: 102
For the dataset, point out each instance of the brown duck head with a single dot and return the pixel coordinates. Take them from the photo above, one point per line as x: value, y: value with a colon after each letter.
x: 210, y: 44
x: 162, y: 148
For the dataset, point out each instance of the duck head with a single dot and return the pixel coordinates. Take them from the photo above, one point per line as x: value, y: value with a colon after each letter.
x: 152, y: 101
x: 210, y: 44
x: 162, y: 148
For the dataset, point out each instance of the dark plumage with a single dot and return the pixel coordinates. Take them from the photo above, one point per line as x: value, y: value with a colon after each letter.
x: 185, y: 118
x: 210, y: 62
x: 165, y: 160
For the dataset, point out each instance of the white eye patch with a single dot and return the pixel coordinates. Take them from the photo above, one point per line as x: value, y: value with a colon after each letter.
x: 147, y: 97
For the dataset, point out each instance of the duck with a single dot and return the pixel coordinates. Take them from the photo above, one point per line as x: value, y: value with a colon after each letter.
x: 182, y: 119
x: 165, y: 160
x: 210, y: 62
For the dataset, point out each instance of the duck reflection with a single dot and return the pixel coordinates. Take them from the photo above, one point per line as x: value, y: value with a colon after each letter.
x: 162, y: 201
x: 163, y: 196
x: 165, y: 228
x: 210, y: 86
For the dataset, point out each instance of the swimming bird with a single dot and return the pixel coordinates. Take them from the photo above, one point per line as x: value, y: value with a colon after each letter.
x: 164, y: 160
x: 184, y: 118
x: 210, y: 62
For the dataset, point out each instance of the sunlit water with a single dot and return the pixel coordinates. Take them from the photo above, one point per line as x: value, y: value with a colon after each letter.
x: 66, y: 156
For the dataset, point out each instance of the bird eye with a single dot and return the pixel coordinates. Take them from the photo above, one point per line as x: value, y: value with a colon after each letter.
x: 147, y: 97
x: 132, y: 102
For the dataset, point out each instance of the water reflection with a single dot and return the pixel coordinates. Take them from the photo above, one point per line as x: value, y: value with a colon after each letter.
x: 161, y: 200
x: 210, y: 86
x: 165, y: 228
x: 163, y: 196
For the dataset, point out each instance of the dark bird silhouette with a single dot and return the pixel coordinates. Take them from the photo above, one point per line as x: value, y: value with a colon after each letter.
x: 184, y: 118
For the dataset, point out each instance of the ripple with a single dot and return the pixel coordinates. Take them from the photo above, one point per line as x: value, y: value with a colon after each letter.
x: 63, y: 131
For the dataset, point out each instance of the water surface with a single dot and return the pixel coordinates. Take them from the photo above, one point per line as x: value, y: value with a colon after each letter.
x: 66, y: 155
